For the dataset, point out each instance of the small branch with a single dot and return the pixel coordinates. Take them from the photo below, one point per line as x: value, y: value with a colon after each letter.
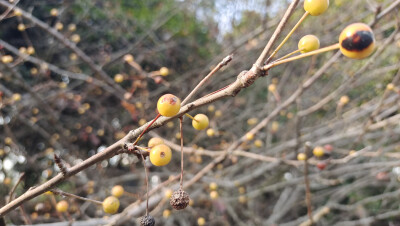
x: 221, y: 64
x: 10, y: 196
x: 307, y: 182
x: 63, y: 193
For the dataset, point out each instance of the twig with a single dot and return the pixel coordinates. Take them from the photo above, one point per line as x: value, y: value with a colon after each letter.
x: 10, y: 196
x: 60, y: 164
x: 63, y: 193
x: 307, y: 183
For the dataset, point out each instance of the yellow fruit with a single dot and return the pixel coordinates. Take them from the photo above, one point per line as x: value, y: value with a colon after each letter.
x: 252, y: 121
x: 213, y: 186
x: 258, y: 143
x: 22, y: 50
x: 7, y: 181
x: 142, y: 121
x: 218, y: 113
x: 210, y: 132
x: 274, y: 126
x: 201, y: 221
x: 249, y: 136
x: 110, y: 205
x: 17, y: 12
x: 21, y: 27
x: 75, y: 38
x: 200, y: 122
x: 390, y: 86
x: 117, y: 191
x: 308, y: 43
x: 128, y: 58
x: 34, y: 71
x: 16, y: 97
x: 54, y: 12
x: 272, y: 88
x: 62, y: 206
x: 59, y: 26
x: 242, y: 199
x: 344, y: 100
x: 71, y: 27
x: 166, y: 213
x: 168, y: 105
x: 318, y: 151
x: 211, y: 108
x: 160, y: 155
x: 214, y: 195
x: 7, y: 59
x: 170, y: 124
x: 30, y: 50
x: 301, y: 157
x: 118, y: 78
x: 357, y: 41
x: 168, y: 193
x: 316, y: 7
x: 155, y: 141
x: 242, y: 190
x: 164, y: 71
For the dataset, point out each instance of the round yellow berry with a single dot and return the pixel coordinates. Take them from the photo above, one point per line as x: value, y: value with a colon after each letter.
x: 111, y: 205
x: 164, y: 71
x: 344, y: 100
x: 201, y: 221
x: 59, y: 26
x: 301, y: 157
x: 242, y: 199
x: 30, y: 50
x: 258, y: 143
x: 118, y: 78
x: 272, y: 88
x: 200, y: 122
x: 357, y: 41
x: 213, y: 186
x: 76, y: 38
x: 210, y: 132
x: 21, y: 27
x: 117, y: 191
x: 316, y: 7
x: 214, y: 195
x: 252, y: 121
x: 128, y: 58
x: 318, y: 151
x: 308, y: 43
x: 71, y: 27
x: 249, y: 136
x: 16, y: 97
x: 218, y: 113
x: 155, y: 141
x: 390, y: 86
x: 54, y: 12
x: 274, y: 126
x: 160, y: 155
x: 168, y: 193
x: 168, y: 105
x: 7, y: 59
x: 62, y: 206
x: 17, y: 12
x: 211, y: 108
x: 166, y: 213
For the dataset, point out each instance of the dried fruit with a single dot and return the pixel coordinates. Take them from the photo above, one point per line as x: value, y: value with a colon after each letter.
x: 179, y: 199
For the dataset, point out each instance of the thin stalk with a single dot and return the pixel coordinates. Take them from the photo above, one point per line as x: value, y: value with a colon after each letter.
x: 191, y: 117
x: 147, y: 185
x: 315, y: 52
x: 180, y: 128
x: 63, y: 193
x: 148, y: 126
x: 288, y: 55
x: 288, y: 36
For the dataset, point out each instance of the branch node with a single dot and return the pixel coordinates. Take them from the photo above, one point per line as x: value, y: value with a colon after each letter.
x: 247, y: 78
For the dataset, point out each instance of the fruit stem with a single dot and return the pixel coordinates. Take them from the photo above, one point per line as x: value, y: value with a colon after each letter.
x: 148, y: 126
x: 147, y: 184
x: 288, y: 36
x: 289, y: 54
x: 63, y: 193
x: 315, y: 52
x: 191, y: 117
x: 180, y: 128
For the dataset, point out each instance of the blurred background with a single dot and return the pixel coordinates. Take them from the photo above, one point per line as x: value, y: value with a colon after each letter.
x: 76, y: 76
